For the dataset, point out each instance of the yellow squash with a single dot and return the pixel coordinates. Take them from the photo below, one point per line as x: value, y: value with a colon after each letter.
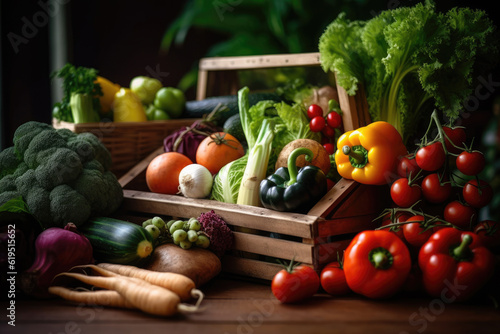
x: 127, y: 107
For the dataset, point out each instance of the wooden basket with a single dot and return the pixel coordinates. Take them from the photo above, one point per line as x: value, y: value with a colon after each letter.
x: 128, y: 142
x: 313, y: 238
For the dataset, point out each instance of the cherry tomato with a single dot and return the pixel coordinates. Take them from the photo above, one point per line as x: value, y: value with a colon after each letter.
x: 431, y: 157
x: 407, y: 166
x: 459, y: 214
x: 403, y: 194
x: 471, y: 163
x: 334, y: 119
x: 489, y: 233
x: 330, y: 148
x: 457, y: 136
x: 398, y: 230
x: 328, y: 131
x: 314, y: 110
x: 414, y: 233
x: 476, y: 195
x: 295, y: 283
x: 433, y: 190
x: 317, y: 124
x: 333, y: 280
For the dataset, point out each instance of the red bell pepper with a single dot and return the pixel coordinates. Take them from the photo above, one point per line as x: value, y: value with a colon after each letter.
x: 376, y: 264
x: 455, y: 264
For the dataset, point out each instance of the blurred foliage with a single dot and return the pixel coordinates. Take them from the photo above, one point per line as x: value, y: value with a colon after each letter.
x: 259, y: 27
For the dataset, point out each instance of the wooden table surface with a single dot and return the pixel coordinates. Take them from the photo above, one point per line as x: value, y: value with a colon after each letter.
x: 233, y: 305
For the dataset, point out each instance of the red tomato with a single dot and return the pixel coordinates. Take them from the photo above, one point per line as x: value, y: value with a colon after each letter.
x: 317, y: 124
x: 398, y: 230
x: 333, y: 279
x: 489, y: 233
x: 314, y: 110
x: 431, y: 157
x: 433, y: 190
x: 292, y: 285
x: 328, y: 131
x: 330, y: 148
x: 471, y: 163
x: 414, y: 233
x: 457, y: 137
x: 403, y: 194
x: 334, y: 119
x: 407, y: 166
x: 459, y: 214
x: 376, y: 264
x: 477, y: 196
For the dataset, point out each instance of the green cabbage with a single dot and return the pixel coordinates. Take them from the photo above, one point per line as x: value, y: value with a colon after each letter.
x: 227, y: 181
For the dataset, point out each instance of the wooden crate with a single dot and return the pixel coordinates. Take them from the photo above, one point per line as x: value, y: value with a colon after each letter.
x: 128, y: 142
x: 313, y: 238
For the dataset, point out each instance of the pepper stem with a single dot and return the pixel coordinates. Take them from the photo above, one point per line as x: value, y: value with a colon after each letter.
x: 381, y: 258
x: 463, y: 252
x: 292, y: 166
x: 358, y: 155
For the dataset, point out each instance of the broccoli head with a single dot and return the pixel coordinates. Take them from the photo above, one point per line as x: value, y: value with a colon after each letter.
x: 62, y: 176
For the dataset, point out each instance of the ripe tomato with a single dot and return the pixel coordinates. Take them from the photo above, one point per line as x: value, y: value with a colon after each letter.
x: 295, y: 283
x: 457, y: 137
x: 217, y: 150
x: 333, y: 280
x: 407, y: 166
x: 403, y: 194
x: 433, y: 190
x: 334, y: 119
x: 314, y: 110
x: 317, y: 124
x: 431, y: 157
x: 476, y: 195
x: 471, y: 163
x: 328, y: 131
x: 489, y: 233
x: 414, y: 232
x: 162, y: 174
x: 330, y: 148
x: 459, y: 214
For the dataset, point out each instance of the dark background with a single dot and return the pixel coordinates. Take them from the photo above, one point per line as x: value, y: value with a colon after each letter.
x: 121, y: 39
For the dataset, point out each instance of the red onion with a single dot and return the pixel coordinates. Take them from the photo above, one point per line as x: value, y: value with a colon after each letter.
x: 57, y: 251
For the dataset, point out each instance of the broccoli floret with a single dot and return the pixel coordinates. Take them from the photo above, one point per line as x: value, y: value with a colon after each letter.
x: 67, y: 205
x: 47, y: 139
x: 60, y: 167
x: 8, y: 161
x: 62, y: 176
x: 25, y: 133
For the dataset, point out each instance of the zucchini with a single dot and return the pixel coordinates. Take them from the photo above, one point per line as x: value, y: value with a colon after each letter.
x: 196, y: 109
x: 118, y: 241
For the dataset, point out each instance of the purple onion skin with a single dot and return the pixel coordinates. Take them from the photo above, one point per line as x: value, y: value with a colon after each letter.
x: 57, y: 251
x: 188, y: 145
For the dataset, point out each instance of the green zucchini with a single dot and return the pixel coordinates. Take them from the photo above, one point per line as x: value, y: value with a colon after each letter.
x: 196, y: 109
x: 118, y: 241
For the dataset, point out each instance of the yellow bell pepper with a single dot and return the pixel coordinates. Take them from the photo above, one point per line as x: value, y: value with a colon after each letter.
x: 109, y: 89
x: 370, y: 154
x: 127, y: 107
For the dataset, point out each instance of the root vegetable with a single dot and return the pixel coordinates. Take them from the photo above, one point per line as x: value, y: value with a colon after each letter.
x: 320, y: 158
x: 146, y: 297
x: 99, y: 297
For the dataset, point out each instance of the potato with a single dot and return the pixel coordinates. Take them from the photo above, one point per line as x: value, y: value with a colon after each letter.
x: 201, y: 265
x: 320, y: 159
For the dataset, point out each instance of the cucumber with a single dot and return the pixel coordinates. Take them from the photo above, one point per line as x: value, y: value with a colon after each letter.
x: 196, y: 109
x: 233, y: 126
x: 118, y: 241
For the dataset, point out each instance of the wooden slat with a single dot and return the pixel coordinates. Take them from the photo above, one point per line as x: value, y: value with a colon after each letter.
x: 249, y: 267
x: 140, y: 167
x: 333, y: 198
x: 293, y: 224
x: 273, y: 247
x: 332, y: 227
x: 267, y: 61
x: 328, y: 252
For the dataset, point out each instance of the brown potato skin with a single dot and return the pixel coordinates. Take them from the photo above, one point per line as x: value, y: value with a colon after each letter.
x: 321, y: 158
x: 201, y: 265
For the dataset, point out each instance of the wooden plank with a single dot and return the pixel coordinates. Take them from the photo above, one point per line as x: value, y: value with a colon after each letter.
x: 267, y: 61
x: 140, y: 167
x: 332, y: 227
x: 249, y: 267
x: 293, y: 224
x: 273, y: 247
x: 333, y: 198
x: 328, y: 252
x: 201, y: 85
